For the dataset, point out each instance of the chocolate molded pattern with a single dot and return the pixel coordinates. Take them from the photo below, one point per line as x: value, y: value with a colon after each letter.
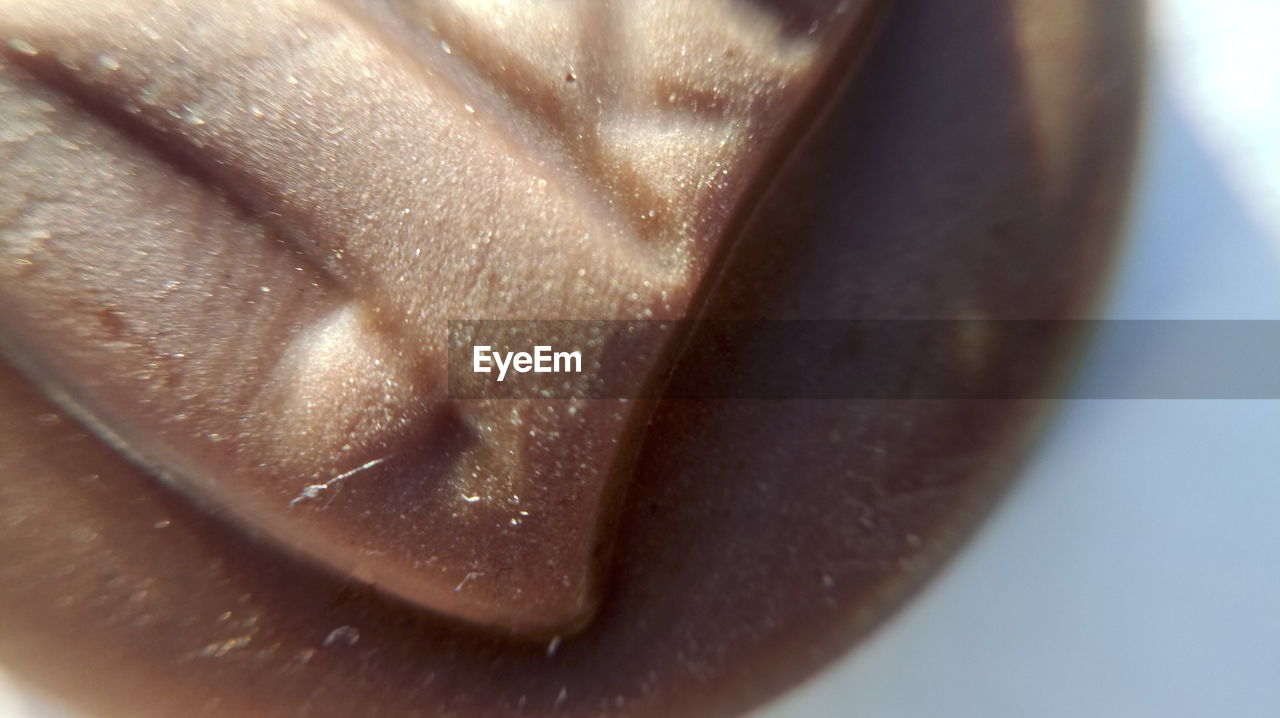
x: 239, y: 229
x: 975, y: 167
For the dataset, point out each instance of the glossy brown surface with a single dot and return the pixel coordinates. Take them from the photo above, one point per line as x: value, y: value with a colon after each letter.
x: 238, y: 230
x: 975, y: 167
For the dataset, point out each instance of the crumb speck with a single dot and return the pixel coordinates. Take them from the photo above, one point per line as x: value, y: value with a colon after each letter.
x: 22, y: 46
x: 342, y: 636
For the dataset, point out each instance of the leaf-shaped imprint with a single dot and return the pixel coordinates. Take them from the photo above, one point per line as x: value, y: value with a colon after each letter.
x: 231, y: 236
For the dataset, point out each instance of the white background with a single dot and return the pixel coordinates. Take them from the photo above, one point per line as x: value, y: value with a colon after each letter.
x: 1135, y: 570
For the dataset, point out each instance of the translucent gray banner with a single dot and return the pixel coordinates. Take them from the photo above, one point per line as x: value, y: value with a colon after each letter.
x: 863, y: 359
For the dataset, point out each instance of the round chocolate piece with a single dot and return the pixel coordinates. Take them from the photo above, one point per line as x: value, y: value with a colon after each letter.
x: 346, y: 542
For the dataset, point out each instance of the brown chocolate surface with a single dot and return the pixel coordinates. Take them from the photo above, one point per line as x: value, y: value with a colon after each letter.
x: 975, y: 167
x: 241, y: 228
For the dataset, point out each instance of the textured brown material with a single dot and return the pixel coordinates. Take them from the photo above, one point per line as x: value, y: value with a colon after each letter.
x: 242, y: 228
x: 975, y: 167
